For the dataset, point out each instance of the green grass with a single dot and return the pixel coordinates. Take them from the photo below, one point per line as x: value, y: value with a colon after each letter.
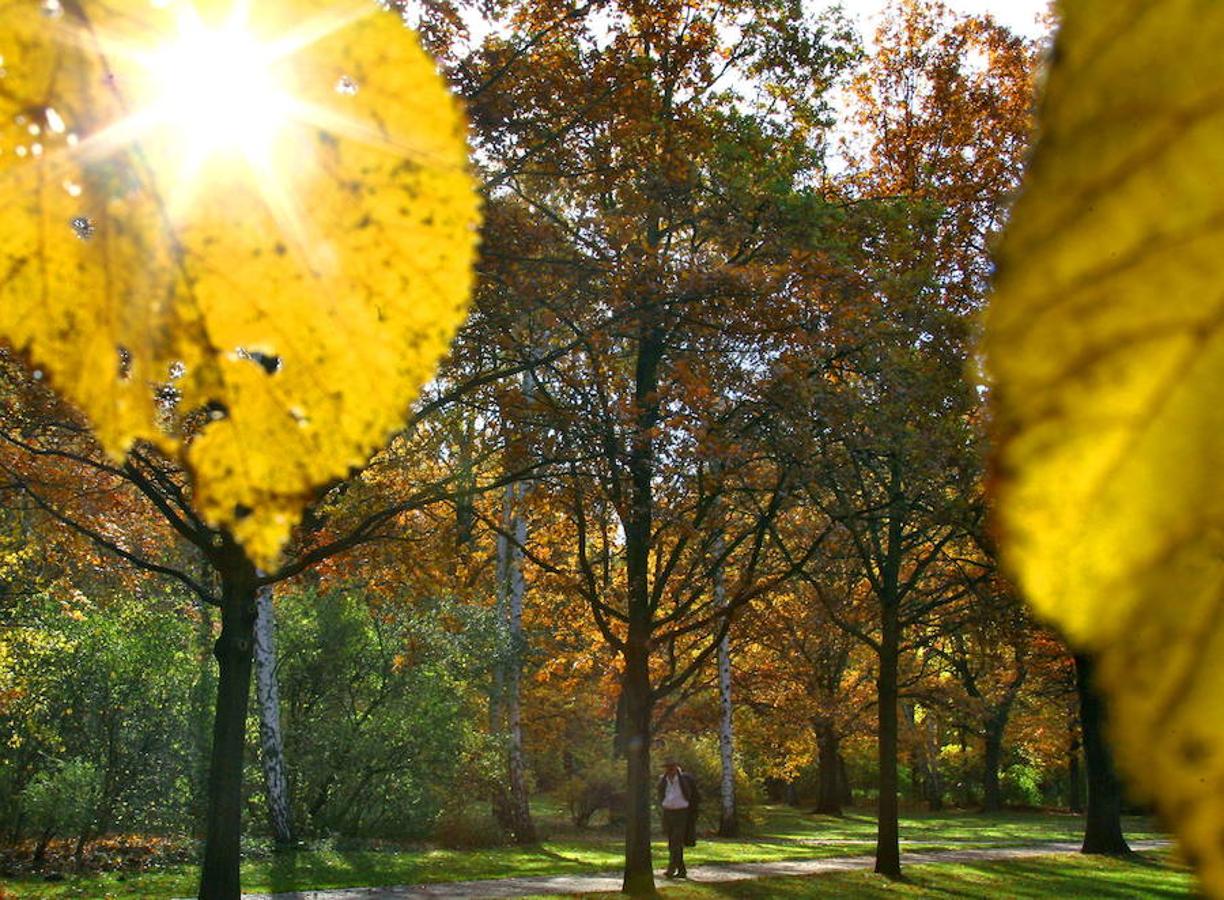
x: 997, y: 829
x: 1148, y: 875
x: 784, y: 834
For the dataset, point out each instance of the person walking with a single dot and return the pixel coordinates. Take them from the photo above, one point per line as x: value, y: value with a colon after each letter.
x: 678, y: 795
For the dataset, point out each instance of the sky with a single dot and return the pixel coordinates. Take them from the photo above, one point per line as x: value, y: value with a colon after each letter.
x: 1019, y: 15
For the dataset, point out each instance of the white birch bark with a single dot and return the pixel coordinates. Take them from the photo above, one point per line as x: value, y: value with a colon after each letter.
x: 507, y: 700
x: 272, y: 755
x: 728, y: 822
x: 516, y: 525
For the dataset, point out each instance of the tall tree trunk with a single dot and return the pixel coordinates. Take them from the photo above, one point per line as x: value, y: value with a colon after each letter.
x: 932, y: 737
x: 829, y: 789
x: 728, y: 820
x: 992, y: 795
x: 888, y: 839
x: 847, y: 792
x: 1103, y: 823
x: 500, y: 801
x: 635, y: 685
x: 515, y: 523
x: 203, y: 696
x: 271, y: 740
x: 888, y: 842
x: 219, y: 877
x: 637, y: 691
x: 1075, y: 788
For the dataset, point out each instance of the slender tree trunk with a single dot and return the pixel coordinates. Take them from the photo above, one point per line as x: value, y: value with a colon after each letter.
x: 234, y: 649
x: 932, y: 738
x: 888, y: 840
x: 516, y: 524
x: 78, y: 852
x: 925, y: 781
x: 1103, y: 823
x: 992, y: 796
x: 203, y: 695
x: 271, y: 740
x: 790, y: 793
x: 829, y: 790
x: 888, y: 846
x: 728, y: 820
x: 847, y: 792
x: 637, y: 691
x: 500, y: 801
x: 1075, y: 789
x: 40, y: 850
x: 639, y: 869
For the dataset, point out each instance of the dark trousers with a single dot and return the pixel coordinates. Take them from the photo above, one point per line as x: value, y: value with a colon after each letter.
x: 675, y: 823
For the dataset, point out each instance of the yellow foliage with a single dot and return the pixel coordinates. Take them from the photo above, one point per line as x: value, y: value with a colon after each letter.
x: 292, y: 258
x: 1107, y: 358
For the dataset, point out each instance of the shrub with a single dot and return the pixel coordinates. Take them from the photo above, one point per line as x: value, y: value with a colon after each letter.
x: 467, y: 827
x: 600, y: 784
x: 1021, y: 785
x: 63, y: 800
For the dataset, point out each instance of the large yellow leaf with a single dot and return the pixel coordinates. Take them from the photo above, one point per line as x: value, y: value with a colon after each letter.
x: 1105, y: 346
x: 293, y: 257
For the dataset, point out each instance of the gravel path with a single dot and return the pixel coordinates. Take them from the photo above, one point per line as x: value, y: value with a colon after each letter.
x: 722, y: 872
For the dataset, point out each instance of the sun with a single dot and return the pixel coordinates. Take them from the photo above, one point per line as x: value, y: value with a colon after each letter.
x: 214, y: 103
x: 219, y: 90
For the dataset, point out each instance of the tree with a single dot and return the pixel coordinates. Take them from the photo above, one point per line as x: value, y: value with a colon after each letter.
x: 940, y: 148
x: 1103, y: 822
x: 161, y: 281
x: 272, y: 743
x: 659, y: 224
x: 1107, y: 412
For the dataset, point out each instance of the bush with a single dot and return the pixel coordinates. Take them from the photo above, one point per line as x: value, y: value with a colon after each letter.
x: 375, y: 710
x: 63, y: 801
x: 599, y: 785
x: 1021, y: 785
x: 108, y: 685
x: 962, y: 774
x: 467, y: 827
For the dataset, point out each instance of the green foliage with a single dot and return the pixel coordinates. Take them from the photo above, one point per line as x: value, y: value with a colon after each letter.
x: 598, y: 785
x: 64, y: 800
x: 375, y: 713
x: 1021, y: 784
x: 377, y: 708
x: 103, y: 687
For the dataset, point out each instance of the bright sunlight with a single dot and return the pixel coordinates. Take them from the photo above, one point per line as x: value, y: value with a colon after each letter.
x: 219, y: 90
x: 214, y: 93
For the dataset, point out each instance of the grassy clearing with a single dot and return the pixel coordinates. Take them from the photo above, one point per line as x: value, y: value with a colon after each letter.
x: 1148, y: 875
x: 784, y: 833
x: 943, y: 828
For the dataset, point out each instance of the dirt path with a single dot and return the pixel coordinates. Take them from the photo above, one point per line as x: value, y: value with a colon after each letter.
x: 721, y: 872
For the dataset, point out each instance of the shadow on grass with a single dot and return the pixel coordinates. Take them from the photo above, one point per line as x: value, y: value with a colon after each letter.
x: 282, y: 870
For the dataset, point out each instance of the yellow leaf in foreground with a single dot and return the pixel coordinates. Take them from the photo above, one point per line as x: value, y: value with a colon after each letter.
x: 260, y: 212
x: 1106, y: 352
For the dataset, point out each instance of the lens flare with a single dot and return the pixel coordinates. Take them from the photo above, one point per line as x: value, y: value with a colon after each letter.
x: 219, y: 91
x: 215, y: 103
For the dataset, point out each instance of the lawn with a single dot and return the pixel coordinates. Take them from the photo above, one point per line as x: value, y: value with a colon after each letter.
x: 784, y: 833
x: 1148, y: 875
